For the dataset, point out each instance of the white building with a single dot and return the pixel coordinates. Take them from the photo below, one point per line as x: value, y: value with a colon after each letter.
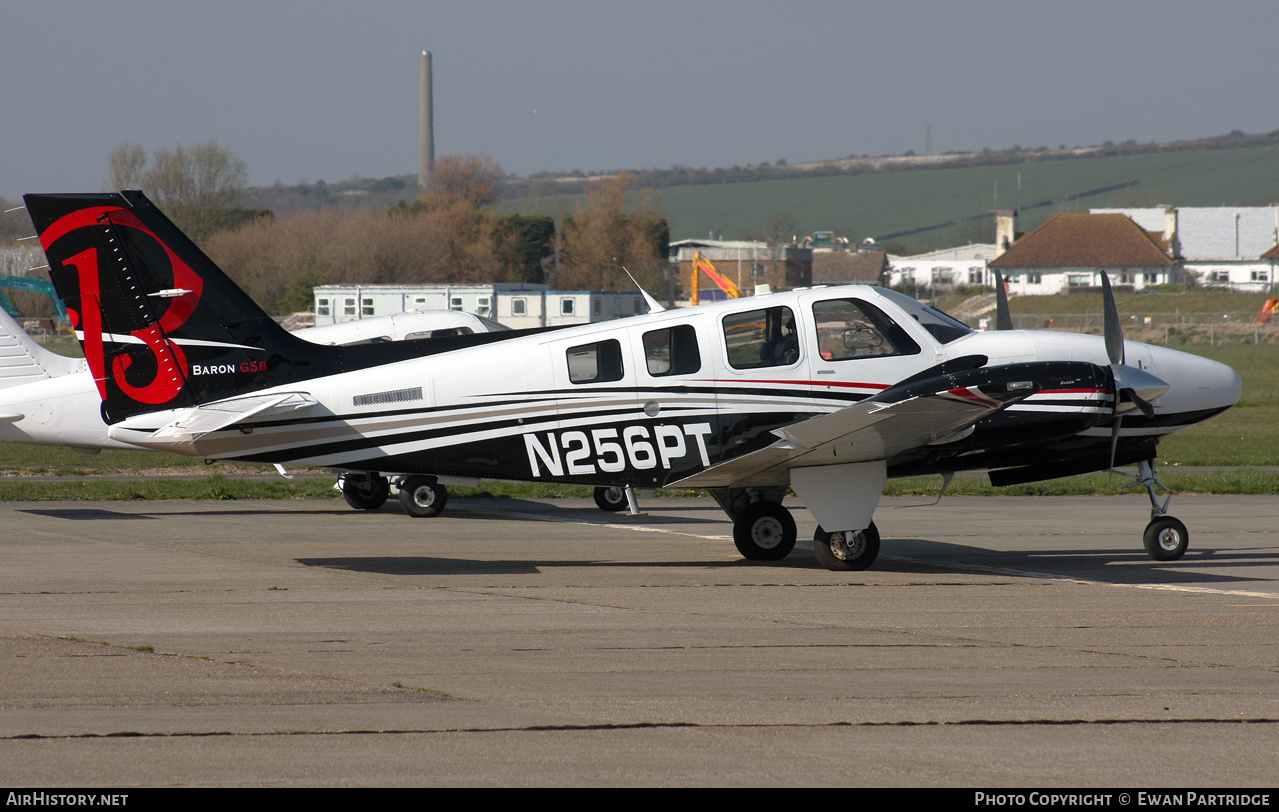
x: 1220, y: 246
x: 944, y: 269
x: 516, y: 305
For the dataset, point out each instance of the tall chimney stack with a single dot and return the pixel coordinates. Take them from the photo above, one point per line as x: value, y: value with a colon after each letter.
x: 425, y: 124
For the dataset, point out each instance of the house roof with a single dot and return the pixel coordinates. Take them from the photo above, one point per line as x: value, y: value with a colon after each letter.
x: 1076, y: 240
x: 1273, y: 253
x: 840, y: 267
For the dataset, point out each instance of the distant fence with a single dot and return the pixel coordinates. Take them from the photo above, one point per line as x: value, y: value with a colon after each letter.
x: 1161, y: 328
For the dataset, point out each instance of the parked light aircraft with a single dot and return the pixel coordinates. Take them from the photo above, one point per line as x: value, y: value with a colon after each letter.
x: 826, y: 390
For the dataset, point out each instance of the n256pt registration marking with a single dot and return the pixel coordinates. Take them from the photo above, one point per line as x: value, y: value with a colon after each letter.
x: 612, y: 450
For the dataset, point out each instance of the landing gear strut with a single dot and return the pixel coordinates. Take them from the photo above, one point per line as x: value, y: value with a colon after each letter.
x: 1165, y: 538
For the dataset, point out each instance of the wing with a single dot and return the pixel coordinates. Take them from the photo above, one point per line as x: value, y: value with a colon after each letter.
x: 906, y: 416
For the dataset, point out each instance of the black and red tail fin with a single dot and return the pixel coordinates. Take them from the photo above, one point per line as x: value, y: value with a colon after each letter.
x: 161, y: 325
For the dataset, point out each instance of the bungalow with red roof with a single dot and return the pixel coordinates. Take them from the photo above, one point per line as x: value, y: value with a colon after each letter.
x: 1071, y: 250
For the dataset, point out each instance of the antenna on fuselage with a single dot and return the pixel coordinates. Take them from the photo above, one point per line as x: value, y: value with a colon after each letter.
x: 654, y: 306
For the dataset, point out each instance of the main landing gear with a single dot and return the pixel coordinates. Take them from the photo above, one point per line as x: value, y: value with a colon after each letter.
x: 1165, y: 538
x: 419, y: 496
x: 764, y: 531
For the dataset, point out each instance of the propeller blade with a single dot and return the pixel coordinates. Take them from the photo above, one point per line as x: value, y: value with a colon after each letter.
x: 1003, y: 316
x: 1114, y: 331
x: 1146, y: 408
x: 1114, y: 436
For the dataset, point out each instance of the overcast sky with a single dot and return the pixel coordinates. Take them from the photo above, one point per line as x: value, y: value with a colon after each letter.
x: 328, y: 90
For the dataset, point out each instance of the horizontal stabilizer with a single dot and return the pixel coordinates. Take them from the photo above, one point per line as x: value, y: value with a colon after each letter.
x: 23, y: 359
x: 180, y: 434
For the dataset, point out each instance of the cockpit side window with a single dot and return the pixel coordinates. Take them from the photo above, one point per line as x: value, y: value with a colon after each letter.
x: 942, y: 327
x: 761, y: 338
x: 851, y: 328
x: 672, y: 351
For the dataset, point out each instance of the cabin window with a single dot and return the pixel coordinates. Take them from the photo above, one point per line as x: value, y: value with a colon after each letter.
x: 566, y: 307
x: 850, y: 328
x: 482, y: 306
x: 455, y: 303
x: 348, y: 307
x: 366, y: 307
x: 595, y: 363
x: 672, y: 351
x: 1261, y: 276
x: 321, y: 307
x: 519, y: 307
x: 761, y: 338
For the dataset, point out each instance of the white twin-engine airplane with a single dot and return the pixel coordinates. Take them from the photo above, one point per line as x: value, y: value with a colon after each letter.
x: 828, y: 391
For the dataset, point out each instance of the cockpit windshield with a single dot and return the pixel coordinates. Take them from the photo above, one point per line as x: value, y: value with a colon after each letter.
x: 942, y: 327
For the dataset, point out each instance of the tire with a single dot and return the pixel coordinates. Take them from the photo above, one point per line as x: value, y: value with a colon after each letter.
x: 611, y: 500
x: 834, y: 552
x: 1166, y: 539
x: 765, y: 531
x: 422, y: 497
x: 367, y: 492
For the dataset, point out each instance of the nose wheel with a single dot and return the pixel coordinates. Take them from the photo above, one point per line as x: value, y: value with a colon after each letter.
x: 1166, y: 539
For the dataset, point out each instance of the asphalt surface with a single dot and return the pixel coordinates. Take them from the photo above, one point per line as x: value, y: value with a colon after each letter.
x: 999, y: 641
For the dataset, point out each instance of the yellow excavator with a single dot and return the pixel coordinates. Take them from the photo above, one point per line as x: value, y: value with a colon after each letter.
x: 704, y: 265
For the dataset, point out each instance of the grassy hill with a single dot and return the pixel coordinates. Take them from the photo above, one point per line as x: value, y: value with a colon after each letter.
x: 887, y: 203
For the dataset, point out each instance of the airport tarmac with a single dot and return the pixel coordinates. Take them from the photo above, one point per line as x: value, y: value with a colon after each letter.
x: 998, y: 641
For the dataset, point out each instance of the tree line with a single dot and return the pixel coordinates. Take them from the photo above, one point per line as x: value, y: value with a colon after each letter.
x: 450, y: 234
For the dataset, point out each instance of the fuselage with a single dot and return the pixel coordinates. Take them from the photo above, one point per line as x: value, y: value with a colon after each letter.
x: 653, y: 399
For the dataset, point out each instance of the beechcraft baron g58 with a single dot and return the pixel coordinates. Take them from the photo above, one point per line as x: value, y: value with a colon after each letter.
x: 828, y: 391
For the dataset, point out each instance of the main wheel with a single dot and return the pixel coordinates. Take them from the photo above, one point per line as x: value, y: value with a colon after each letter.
x: 765, y: 531
x: 367, y: 492
x: 1166, y: 539
x: 847, y: 551
x: 611, y: 499
x: 422, y: 497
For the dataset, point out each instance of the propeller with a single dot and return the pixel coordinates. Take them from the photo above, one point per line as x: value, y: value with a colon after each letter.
x: 1134, y: 387
x: 1003, y: 316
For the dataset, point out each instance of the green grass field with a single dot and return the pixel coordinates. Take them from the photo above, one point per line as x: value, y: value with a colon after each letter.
x: 860, y: 206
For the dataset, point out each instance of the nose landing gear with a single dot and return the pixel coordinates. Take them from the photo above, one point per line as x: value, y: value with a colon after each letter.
x: 1165, y: 538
